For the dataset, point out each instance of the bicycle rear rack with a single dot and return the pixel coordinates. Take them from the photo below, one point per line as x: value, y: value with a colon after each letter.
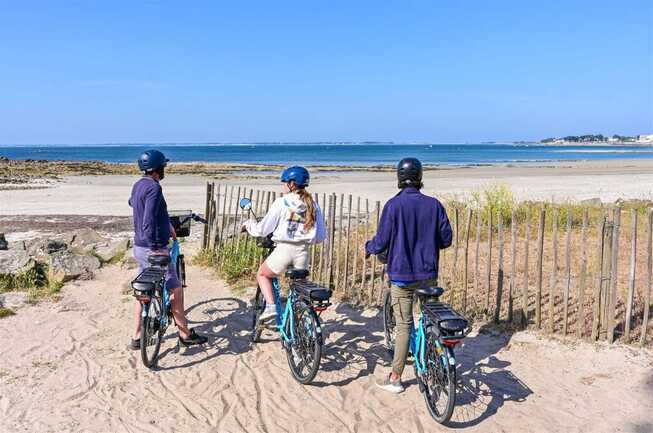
x: 450, y: 324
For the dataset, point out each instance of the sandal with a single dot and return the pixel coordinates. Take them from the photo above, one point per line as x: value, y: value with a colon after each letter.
x: 135, y: 344
x: 192, y: 339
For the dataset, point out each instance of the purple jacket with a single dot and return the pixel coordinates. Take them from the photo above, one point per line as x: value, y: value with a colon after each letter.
x: 151, y: 220
x: 413, y: 228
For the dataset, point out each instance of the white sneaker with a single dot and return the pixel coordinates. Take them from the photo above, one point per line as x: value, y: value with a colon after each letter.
x: 387, y: 385
x: 270, y: 312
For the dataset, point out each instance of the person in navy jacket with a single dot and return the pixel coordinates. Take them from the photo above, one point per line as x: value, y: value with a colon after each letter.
x: 412, y: 230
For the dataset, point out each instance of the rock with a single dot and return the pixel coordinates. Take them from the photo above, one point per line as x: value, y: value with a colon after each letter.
x: 129, y: 262
x: 85, y: 240
x: 15, y: 261
x: 3, y: 243
x: 40, y: 249
x: 112, y: 251
x: 65, y: 266
x: 592, y: 202
x: 13, y: 300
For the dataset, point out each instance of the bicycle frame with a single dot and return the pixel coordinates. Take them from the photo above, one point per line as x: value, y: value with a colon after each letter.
x: 282, y: 318
x: 417, y: 347
x: 175, y: 251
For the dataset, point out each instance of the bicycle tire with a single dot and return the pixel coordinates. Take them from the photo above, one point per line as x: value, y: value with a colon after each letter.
x: 258, y: 305
x: 151, y: 332
x: 181, y: 270
x: 307, y: 346
x: 389, y: 323
x: 440, y: 380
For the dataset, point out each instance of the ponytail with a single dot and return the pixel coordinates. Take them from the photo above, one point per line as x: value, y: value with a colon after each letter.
x: 311, y: 211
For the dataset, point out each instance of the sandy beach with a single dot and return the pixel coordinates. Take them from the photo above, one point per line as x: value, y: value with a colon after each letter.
x: 108, y: 194
x: 65, y: 368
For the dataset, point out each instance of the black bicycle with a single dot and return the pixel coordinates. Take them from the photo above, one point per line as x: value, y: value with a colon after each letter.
x: 298, y: 321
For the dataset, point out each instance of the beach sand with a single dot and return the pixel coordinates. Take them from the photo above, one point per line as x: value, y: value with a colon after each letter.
x: 108, y: 194
x: 65, y: 368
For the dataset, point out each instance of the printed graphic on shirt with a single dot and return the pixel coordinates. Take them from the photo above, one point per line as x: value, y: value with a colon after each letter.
x: 294, y: 220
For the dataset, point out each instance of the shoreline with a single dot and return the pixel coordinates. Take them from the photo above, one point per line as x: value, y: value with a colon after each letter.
x: 185, y: 188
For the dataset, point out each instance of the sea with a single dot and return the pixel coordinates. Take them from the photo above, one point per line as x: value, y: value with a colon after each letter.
x: 340, y: 154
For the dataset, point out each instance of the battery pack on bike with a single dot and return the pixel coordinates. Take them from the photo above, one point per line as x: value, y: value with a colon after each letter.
x: 451, y: 326
x: 146, y: 282
x: 314, y: 294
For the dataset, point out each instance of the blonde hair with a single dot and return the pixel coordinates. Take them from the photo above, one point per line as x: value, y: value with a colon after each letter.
x: 311, y: 211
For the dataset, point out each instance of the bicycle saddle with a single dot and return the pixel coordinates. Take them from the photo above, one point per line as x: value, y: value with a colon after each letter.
x: 297, y: 274
x: 159, y: 260
x: 429, y: 292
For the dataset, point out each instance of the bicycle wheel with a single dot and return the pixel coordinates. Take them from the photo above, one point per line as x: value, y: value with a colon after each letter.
x: 151, y: 332
x: 258, y: 305
x: 389, y: 322
x: 305, y: 352
x: 181, y: 270
x: 439, y: 384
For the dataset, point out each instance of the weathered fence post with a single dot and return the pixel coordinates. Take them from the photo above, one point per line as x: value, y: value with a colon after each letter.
x: 524, y: 299
x: 346, y: 276
x: 580, y: 318
x: 468, y: 226
x: 339, y: 245
x: 452, y: 275
x: 649, y: 274
x: 565, y: 313
x: 540, y: 254
x: 612, y: 302
x: 367, y: 224
x: 600, y: 267
x: 205, y: 231
x: 325, y: 243
x: 477, y: 266
x: 357, y: 250
x: 488, y: 274
x: 554, y: 273
x: 631, y: 285
x: 332, y: 234
x: 497, y: 311
x: 373, y: 285
x: 513, y: 262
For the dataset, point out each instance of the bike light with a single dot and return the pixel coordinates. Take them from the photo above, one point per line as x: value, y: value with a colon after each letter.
x: 453, y: 325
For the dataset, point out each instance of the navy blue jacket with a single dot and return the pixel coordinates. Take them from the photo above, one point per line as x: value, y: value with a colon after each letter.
x: 413, y: 228
x: 151, y: 220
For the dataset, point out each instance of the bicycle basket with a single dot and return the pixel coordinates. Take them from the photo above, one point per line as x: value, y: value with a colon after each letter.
x: 180, y: 220
x: 265, y: 242
x: 450, y: 324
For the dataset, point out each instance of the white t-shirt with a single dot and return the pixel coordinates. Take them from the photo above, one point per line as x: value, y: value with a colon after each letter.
x: 285, y: 220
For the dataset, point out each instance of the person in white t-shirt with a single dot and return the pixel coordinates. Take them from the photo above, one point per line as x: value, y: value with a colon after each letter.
x: 295, y: 221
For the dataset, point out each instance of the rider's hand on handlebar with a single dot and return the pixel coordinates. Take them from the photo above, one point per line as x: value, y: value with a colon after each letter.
x: 173, y: 233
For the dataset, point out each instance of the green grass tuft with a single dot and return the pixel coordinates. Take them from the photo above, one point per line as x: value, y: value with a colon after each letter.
x: 6, y: 312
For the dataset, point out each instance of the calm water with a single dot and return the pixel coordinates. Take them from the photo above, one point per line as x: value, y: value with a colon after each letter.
x: 333, y: 154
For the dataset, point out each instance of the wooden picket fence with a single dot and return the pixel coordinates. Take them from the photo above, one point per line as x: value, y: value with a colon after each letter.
x: 504, y: 267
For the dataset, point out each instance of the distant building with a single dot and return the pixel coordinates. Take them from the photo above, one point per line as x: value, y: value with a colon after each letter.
x: 645, y: 138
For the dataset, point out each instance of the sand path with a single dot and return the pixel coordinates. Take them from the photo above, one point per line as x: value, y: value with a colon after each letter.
x: 64, y: 367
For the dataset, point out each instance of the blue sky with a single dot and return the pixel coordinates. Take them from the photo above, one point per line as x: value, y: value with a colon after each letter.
x: 439, y: 71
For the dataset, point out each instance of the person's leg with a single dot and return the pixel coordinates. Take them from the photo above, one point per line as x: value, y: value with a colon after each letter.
x: 402, y: 303
x: 177, y: 301
x: 138, y: 307
x: 264, y: 278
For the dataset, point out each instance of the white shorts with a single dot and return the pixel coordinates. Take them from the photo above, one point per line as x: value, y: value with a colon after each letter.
x: 288, y: 254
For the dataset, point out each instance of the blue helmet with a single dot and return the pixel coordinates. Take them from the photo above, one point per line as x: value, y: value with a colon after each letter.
x: 298, y: 174
x: 151, y: 160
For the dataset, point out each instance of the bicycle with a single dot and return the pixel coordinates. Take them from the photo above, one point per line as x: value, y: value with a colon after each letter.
x: 151, y: 291
x: 432, y: 341
x: 298, y: 321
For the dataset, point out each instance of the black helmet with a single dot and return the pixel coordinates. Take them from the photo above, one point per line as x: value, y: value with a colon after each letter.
x: 409, y: 173
x: 151, y: 160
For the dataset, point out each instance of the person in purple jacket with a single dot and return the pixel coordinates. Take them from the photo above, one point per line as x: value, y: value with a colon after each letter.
x: 152, y: 233
x: 412, y: 230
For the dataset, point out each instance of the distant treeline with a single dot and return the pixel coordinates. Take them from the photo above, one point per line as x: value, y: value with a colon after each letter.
x: 590, y: 138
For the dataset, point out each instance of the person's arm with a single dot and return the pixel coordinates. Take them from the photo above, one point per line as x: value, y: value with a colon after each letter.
x: 444, y: 234
x: 320, y: 226
x: 269, y: 222
x: 381, y: 240
x: 152, y: 199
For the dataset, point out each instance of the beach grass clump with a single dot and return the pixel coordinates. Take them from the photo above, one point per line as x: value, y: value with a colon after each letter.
x: 239, y: 264
x: 6, y: 312
x: 30, y: 279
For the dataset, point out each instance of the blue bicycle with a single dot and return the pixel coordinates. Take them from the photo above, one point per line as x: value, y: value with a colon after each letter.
x: 151, y: 291
x: 439, y: 329
x: 298, y: 321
